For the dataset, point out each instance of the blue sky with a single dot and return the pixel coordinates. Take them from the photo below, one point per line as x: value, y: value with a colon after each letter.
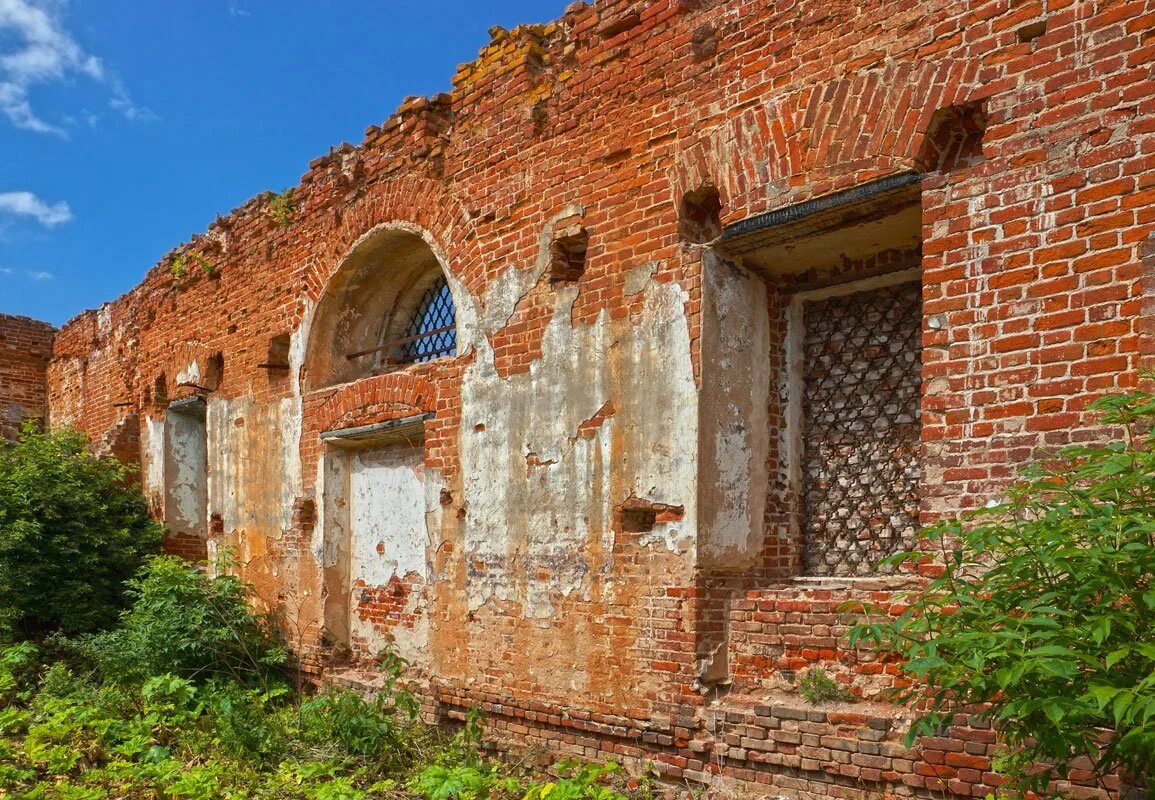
x: 127, y: 125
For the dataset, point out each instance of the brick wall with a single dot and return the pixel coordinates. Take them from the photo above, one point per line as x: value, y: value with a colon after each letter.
x: 25, y: 348
x: 595, y: 573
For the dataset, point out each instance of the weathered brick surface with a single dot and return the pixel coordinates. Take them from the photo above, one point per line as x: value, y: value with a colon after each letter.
x: 25, y: 349
x: 580, y: 574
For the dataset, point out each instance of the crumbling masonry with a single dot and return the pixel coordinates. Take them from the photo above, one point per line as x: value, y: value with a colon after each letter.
x: 598, y: 383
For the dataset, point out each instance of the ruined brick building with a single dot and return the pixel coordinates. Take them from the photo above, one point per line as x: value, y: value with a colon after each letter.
x: 598, y: 382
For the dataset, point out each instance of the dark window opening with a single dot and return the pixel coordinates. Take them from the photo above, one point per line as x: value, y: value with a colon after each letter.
x: 568, y: 254
x: 277, y: 354
x: 432, y: 332
x: 214, y: 372
x: 954, y: 139
x: 701, y: 218
x: 638, y: 520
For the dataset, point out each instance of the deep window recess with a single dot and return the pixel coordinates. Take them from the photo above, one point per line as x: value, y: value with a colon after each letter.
x: 860, y: 432
x: 186, y: 468
x: 432, y: 331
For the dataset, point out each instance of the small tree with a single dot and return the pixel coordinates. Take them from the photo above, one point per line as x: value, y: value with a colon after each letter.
x: 183, y: 622
x: 72, y: 531
x: 1043, y: 619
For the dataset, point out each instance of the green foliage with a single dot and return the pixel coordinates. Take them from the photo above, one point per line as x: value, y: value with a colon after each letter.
x: 341, y: 721
x: 818, y: 687
x: 183, y: 264
x: 283, y: 208
x: 72, y: 530
x: 179, y: 267
x: 17, y: 666
x: 184, y: 703
x: 575, y: 781
x: 1043, y: 619
x: 184, y: 622
x: 578, y: 782
x: 437, y: 782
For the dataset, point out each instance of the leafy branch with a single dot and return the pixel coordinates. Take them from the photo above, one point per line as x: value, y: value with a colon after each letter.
x: 1042, y: 620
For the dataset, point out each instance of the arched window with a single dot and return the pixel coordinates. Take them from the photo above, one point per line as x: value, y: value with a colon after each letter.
x: 432, y: 331
x: 388, y: 306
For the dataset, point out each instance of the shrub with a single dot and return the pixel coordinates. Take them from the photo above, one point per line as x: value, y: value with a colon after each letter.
x: 1043, y: 619
x: 185, y: 623
x: 72, y: 530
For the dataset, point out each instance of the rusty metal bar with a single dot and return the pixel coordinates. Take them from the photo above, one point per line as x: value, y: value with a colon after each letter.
x: 406, y: 340
x: 429, y: 354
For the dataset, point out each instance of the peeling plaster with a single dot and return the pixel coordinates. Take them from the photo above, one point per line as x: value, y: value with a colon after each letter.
x: 387, y: 515
x: 533, y: 536
x: 393, y: 521
x: 735, y: 417
x: 190, y: 375
x: 185, y: 477
x: 152, y: 446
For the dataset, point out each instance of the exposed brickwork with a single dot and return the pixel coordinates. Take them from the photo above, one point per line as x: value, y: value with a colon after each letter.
x: 25, y: 349
x: 586, y: 571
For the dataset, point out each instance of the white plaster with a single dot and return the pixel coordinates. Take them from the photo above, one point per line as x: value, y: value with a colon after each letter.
x: 152, y: 446
x: 253, y: 467
x: 393, y: 517
x: 537, y: 532
x: 185, y: 478
x: 290, y: 413
x: 190, y: 375
x: 387, y: 514
x: 639, y: 277
x: 735, y: 421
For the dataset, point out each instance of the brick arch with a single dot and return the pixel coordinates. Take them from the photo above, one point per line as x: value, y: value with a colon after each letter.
x: 822, y: 138
x: 188, y: 358
x: 376, y: 399
x: 412, y: 199
x: 175, y: 368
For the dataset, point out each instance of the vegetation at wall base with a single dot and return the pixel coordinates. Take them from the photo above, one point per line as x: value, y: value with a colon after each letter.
x: 186, y: 699
x: 125, y: 674
x: 73, y: 529
x: 1043, y: 619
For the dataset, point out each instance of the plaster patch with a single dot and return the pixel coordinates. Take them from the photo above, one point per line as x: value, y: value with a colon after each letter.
x: 387, y: 514
x: 152, y: 445
x: 533, y: 535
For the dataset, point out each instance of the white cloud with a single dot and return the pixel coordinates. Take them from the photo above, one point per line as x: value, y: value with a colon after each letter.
x: 26, y: 204
x: 30, y: 274
x: 36, y: 49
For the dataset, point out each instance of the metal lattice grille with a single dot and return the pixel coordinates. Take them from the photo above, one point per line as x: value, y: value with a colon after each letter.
x: 432, y: 332
x: 861, y: 466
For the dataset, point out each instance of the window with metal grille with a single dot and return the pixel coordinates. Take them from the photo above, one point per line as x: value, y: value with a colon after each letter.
x: 432, y: 332
x: 860, y: 416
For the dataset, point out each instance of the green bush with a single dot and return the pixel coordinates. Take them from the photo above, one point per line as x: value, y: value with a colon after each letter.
x: 1043, y: 620
x: 72, y: 530
x: 185, y: 623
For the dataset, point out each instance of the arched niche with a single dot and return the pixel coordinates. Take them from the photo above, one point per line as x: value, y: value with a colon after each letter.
x: 388, y: 305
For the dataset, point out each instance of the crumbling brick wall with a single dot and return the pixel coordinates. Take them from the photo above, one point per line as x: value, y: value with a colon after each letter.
x: 25, y: 349
x: 612, y: 548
